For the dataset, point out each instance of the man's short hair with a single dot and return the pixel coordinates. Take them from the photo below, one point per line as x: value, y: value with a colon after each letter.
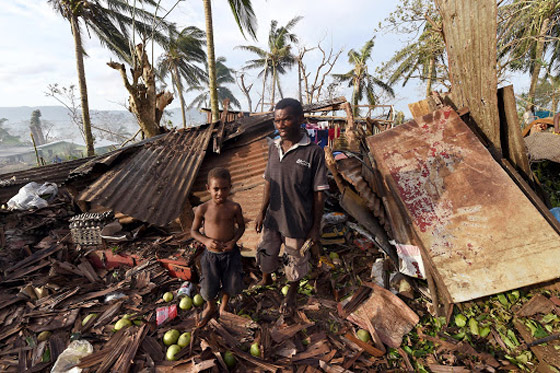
x: 297, y: 109
x: 219, y: 173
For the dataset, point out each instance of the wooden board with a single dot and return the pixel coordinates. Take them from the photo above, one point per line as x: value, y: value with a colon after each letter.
x: 480, y: 233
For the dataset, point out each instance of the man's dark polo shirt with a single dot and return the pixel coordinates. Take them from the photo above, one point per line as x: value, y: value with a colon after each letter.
x: 294, y: 176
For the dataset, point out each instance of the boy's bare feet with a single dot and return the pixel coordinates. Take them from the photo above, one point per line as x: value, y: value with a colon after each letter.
x: 207, y: 314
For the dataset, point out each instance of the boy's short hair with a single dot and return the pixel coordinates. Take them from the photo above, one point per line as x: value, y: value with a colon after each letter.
x: 219, y: 173
x: 297, y: 109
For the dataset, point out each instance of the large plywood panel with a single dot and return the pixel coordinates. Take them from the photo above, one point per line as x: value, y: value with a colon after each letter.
x: 480, y: 233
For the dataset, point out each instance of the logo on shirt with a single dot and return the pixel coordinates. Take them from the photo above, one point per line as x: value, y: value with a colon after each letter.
x: 303, y: 163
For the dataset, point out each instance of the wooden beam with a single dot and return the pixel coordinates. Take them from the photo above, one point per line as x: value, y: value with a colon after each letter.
x: 513, y: 146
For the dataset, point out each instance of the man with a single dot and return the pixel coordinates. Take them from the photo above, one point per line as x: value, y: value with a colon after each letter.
x: 293, y: 200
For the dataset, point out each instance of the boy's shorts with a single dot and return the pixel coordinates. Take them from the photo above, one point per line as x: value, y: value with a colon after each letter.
x: 221, y: 271
x: 296, y: 266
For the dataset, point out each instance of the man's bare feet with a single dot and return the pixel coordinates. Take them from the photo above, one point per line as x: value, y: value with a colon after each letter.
x: 224, y: 304
x: 207, y: 314
x: 266, y: 280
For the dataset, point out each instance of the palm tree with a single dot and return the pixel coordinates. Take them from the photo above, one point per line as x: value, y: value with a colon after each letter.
x: 359, y: 78
x: 244, y: 15
x: 111, y: 21
x: 531, y: 29
x: 180, y: 60
x: 424, y: 59
x: 223, y: 76
x: 277, y: 59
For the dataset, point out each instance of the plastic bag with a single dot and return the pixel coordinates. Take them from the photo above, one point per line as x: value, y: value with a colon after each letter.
x: 113, y: 296
x: 165, y: 313
x: 71, y: 356
x: 187, y: 288
x: 33, y: 195
x: 556, y: 212
x: 410, y: 260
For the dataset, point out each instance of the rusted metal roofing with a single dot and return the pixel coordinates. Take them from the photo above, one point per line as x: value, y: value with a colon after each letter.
x: 352, y: 170
x: 10, y: 183
x: 479, y: 233
x: 153, y: 183
x: 246, y: 164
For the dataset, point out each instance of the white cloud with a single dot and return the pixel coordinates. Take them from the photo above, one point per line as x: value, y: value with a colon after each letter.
x: 38, y: 49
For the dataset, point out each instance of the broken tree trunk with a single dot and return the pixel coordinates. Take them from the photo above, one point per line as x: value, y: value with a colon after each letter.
x: 469, y: 28
x: 145, y: 102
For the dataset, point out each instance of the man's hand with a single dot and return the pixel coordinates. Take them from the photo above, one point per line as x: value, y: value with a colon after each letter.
x: 259, y: 222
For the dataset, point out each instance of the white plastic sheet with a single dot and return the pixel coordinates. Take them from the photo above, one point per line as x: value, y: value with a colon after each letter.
x: 33, y: 195
x: 71, y: 356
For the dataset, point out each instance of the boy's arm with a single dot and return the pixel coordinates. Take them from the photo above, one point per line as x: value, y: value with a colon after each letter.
x: 264, y: 206
x: 240, y: 228
x: 195, y: 230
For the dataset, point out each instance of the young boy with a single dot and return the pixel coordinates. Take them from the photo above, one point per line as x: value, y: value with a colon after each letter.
x: 221, y: 261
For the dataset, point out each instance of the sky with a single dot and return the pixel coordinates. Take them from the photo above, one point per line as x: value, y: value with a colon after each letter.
x: 37, y: 47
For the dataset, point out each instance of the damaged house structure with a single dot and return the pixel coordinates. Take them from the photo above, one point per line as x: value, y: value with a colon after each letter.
x: 429, y: 221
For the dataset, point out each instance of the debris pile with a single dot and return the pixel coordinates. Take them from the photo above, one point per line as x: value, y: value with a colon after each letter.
x: 55, y: 296
x: 108, y: 292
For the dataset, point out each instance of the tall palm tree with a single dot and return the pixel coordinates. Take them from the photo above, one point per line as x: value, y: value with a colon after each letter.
x: 424, y: 58
x: 530, y: 36
x: 244, y: 15
x: 277, y: 58
x: 111, y: 21
x: 182, y: 54
x: 359, y: 78
x: 224, y: 75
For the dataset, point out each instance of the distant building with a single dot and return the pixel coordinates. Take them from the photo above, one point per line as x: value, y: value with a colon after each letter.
x: 22, y: 157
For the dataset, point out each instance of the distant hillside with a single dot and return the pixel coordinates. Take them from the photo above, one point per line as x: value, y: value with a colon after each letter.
x: 114, y: 125
x: 60, y: 114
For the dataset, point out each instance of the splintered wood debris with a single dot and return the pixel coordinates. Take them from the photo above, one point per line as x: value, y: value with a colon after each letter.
x: 54, y: 292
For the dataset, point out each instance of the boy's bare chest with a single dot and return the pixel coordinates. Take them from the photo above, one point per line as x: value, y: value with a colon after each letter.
x: 215, y: 215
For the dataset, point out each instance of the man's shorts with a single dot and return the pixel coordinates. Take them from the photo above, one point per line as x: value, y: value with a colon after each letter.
x: 295, y: 267
x: 221, y: 271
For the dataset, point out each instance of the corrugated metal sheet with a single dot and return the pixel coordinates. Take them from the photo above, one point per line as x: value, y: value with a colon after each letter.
x: 351, y: 170
x: 246, y: 164
x: 152, y: 184
x: 10, y: 183
x: 479, y: 232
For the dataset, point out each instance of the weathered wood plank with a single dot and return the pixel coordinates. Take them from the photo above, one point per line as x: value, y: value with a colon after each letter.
x: 513, y: 146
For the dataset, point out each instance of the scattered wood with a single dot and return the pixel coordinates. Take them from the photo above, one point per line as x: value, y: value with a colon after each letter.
x: 365, y: 346
x: 357, y: 299
x: 538, y: 304
x: 390, y: 316
x: 279, y: 334
x: 545, y: 352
